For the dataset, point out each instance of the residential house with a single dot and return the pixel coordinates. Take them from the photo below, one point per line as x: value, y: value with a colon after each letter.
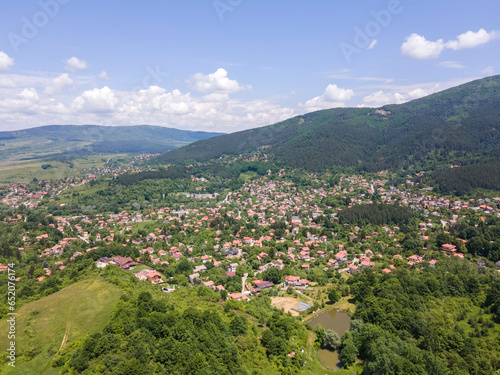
x: 124, y: 263
x: 232, y: 267
x: 194, y: 277
x: 278, y: 263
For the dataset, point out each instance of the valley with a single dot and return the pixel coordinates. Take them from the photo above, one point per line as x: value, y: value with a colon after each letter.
x: 141, y: 263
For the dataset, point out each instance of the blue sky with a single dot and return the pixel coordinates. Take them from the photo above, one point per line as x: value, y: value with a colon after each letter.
x: 227, y: 65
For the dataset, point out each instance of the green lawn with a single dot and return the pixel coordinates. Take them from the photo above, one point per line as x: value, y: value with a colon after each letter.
x: 248, y: 175
x: 139, y: 268
x: 74, y: 311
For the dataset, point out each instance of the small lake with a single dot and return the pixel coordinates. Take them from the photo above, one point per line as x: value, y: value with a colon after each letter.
x: 340, y: 322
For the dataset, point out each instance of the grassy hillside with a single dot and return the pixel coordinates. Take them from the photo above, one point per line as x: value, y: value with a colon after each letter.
x: 69, y: 315
x: 460, y: 122
x: 56, y: 140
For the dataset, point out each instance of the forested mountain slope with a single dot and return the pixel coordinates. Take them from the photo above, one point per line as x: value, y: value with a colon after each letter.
x: 461, y: 121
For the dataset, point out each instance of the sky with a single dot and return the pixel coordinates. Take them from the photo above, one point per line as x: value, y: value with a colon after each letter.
x: 229, y: 65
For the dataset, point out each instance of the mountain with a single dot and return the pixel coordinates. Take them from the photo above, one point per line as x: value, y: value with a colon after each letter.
x: 457, y: 122
x: 57, y: 140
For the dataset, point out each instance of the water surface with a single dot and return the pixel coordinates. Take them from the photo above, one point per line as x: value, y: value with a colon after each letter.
x: 340, y: 322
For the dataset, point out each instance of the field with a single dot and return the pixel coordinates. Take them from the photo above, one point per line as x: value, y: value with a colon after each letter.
x: 286, y: 303
x: 25, y: 171
x: 248, y: 175
x: 63, y: 317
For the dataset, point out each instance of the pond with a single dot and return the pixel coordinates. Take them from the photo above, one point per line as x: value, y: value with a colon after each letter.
x: 340, y: 322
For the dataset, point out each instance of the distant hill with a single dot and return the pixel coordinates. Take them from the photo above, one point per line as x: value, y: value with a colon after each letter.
x: 56, y: 140
x: 463, y: 121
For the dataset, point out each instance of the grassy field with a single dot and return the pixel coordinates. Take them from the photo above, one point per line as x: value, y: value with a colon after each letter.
x: 69, y: 315
x: 139, y: 268
x: 25, y: 171
x: 248, y: 175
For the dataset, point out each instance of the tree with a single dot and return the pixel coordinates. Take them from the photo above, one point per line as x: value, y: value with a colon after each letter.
x: 238, y: 325
x: 223, y: 294
x: 267, y: 337
x: 331, y: 339
x: 348, y: 354
x: 320, y: 334
x: 274, y: 275
x: 333, y: 296
x: 277, y: 347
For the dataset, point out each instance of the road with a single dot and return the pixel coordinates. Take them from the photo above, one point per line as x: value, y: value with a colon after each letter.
x: 243, y: 281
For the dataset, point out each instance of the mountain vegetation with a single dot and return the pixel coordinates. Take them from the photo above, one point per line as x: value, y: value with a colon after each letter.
x: 60, y: 140
x: 436, y: 321
x: 460, y: 123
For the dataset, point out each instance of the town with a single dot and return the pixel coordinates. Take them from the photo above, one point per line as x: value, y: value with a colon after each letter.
x: 268, y: 237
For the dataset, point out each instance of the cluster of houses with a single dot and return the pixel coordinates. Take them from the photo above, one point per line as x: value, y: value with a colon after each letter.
x: 263, y: 203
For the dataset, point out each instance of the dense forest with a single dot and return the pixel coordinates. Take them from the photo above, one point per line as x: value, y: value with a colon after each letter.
x: 377, y: 214
x: 460, y: 123
x: 485, y: 175
x: 171, y: 173
x: 436, y: 321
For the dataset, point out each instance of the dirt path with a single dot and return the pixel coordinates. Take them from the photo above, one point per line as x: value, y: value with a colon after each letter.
x: 68, y: 329
x: 65, y: 338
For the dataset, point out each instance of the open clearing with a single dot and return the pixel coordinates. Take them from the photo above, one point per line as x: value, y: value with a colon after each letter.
x: 45, y: 326
x: 286, y: 303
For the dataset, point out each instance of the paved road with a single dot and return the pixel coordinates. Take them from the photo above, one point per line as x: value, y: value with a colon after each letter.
x: 243, y: 281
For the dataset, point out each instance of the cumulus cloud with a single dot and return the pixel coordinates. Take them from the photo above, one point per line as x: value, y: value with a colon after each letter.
x: 418, y: 48
x: 5, y: 61
x: 96, y: 101
x: 158, y: 99
x: 58, y: 84
x: 471, y: 39
x: 333, y: 96
x: 381, y: 98
x: 214, y: 111
x: 29, y: 94
x: 216, y: 82
x: 74, y: 64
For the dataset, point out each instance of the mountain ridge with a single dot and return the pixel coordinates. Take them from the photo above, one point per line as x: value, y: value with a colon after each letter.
x: 54, y: 140
x: 458, y: 121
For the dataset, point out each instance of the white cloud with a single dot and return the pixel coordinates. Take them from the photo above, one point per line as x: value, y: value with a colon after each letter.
x: 216, y: 82
x: 6, y: 82
x: 488, y: 71
x: 96, y: 101
x: 85, y: 104
x: 418, y: 48
x: 381, y: 98
x: 104, y: 75
x: 452, y: 65
x: 29, y: 94
x: 418, y: 93
x: 472, y: 39
x: 401, y: 94
x: 332, y: 97
x: 5, y: 61
x: 214, y: 111
x: 58, y: 84
x: 372, y: 44
x: 74, y: 64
